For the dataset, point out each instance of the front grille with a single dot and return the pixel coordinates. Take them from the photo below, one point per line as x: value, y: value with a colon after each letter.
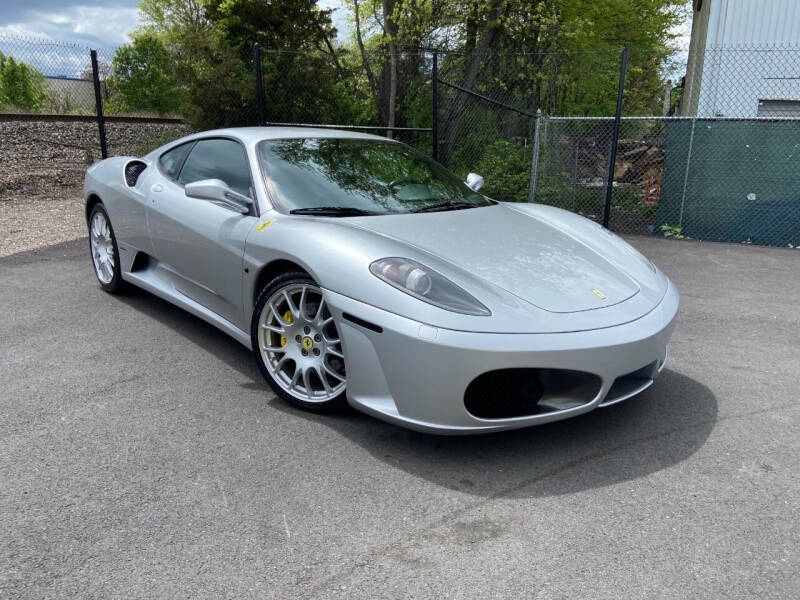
x: 509, y: 393
x: 132, y: 171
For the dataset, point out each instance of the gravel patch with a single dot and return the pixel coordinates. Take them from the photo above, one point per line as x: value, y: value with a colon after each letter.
x: 41, y: 180
x: 31, y: 224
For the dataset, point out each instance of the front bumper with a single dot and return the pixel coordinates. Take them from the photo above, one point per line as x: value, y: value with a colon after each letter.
x: 416, y: 375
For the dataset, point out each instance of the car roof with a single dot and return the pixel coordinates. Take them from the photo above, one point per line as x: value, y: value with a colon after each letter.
x: 256, y: 134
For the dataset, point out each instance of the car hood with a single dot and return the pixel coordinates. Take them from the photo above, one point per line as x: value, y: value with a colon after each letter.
x: 535, y: 259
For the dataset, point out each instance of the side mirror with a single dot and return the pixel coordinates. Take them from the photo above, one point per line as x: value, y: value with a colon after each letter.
x: 217, y: 191
x: 474, y: 182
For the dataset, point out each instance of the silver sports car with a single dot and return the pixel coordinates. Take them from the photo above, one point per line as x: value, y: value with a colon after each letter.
x: 360, y: 271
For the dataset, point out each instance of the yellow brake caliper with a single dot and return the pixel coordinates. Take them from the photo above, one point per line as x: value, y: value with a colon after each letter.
x: 287, y: 316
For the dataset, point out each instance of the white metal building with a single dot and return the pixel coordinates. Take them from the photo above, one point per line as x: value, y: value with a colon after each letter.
x: 70, y: 94
x: 744, y: 59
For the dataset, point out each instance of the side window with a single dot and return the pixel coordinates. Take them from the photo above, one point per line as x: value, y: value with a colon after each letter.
x: 172, y: 160
x: 218, y: 159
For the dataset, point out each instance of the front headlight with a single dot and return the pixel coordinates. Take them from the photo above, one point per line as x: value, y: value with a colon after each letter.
x: 427, y: 285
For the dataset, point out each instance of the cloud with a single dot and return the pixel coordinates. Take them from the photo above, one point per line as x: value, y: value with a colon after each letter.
x: 54, y: 36
x: 96, y: 23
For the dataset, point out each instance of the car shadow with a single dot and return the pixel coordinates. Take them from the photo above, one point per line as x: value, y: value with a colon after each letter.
x: 656, y: 430
x: 193, y: 329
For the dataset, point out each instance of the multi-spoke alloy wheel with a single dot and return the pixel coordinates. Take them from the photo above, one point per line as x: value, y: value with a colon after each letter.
x: 103, y: 247
x: 297, y: 343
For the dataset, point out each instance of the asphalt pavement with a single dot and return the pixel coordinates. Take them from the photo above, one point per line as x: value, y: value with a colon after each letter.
x: 142, y: 455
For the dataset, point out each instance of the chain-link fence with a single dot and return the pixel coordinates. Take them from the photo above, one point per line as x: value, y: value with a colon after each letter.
x: 348, y: 90
x: 724, y: 171
x: 573, y: 169
x: 733, y: 180
x: 537, y: 126
x: 43, y: 76
x: 488, y: 103
x: 743, y: 82
x: 49, y: 129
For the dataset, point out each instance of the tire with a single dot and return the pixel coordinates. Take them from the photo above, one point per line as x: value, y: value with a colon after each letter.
x: 299, y: 353
x: 104, y: 251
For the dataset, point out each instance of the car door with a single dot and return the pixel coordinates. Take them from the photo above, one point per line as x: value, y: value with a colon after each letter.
x: 200, y: 243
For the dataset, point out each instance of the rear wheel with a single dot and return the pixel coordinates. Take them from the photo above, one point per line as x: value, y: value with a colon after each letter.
x: 105, y: 253
x: 297, y: 345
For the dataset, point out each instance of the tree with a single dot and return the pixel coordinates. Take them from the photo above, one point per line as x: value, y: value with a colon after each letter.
x: 21, y: 86
x: 390, y: 36
x: 143, y: 78
x: 558, y: 55
x: 211, y: 45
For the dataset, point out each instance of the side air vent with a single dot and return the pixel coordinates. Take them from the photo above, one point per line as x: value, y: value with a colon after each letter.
x: 132, y: 171
x: 363, y: 323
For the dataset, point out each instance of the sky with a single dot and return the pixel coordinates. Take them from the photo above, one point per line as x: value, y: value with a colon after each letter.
x: 94, y: 23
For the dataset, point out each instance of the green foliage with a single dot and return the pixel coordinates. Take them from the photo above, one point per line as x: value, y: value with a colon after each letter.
x: 143, y: 78
x: 210, y: 46
x: 505, y: 165
x: 310, y: 88
x: 558, y: 55
x: 673, y: 231
x: 626, y: 201
x: 21, y: 86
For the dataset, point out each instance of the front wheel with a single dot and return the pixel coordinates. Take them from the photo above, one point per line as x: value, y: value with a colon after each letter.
x: 105, y: 253
x: 297, y: 345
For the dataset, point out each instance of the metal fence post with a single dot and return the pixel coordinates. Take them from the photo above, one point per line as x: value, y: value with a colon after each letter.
x: 435, y: 107
x: 259, y: 83
x: 667, y: 97
x: 686, y: 172
x: 612, y: 155
x: 574, y: 181
x: 535, y: 158
x: 98, y: 101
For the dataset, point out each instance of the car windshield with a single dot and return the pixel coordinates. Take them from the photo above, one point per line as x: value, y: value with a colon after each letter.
x: 365, y: 176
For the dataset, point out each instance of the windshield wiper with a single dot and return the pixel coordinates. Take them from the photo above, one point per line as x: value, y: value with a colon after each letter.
x: 332, y: 211
x: 445, y: 206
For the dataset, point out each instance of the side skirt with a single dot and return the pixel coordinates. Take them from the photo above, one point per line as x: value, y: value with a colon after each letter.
x: 155, y: 280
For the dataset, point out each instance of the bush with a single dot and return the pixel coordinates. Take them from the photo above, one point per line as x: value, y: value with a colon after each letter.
x: 21, y: 86
x: 506, y: 164
x: 143, y: 79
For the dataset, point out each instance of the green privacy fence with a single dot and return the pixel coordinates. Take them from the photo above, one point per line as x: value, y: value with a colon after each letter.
x: 716, y: 179
x: 735, y: 180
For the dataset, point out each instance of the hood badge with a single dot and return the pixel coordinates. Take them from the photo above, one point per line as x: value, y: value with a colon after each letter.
x: 599, y: 294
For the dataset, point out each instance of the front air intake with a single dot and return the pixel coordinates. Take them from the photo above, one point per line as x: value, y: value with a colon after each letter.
x: 510, y: 393
x: 132, y: 171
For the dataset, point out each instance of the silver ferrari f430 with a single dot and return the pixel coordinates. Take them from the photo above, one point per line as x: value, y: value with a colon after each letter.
x: 359, y: 271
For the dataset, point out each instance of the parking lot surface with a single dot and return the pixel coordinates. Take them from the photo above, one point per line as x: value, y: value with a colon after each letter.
x: 143, y: 455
